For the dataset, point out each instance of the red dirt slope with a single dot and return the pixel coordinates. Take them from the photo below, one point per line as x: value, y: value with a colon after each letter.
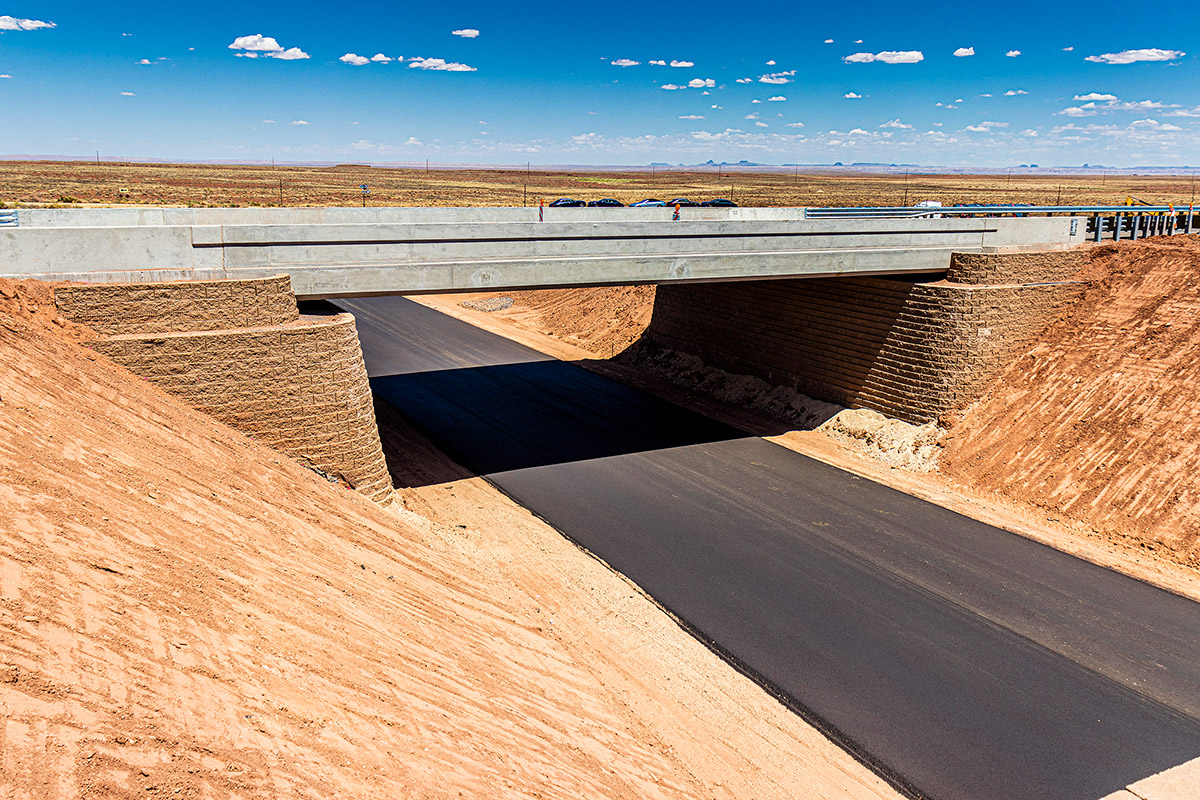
x: 185, y: 613
x: 1100, y: 421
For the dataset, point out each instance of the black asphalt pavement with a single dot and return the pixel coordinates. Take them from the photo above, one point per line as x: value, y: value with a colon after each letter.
x: 958, y: 659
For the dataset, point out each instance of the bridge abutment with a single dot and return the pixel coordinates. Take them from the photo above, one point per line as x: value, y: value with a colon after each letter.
x: 914, y: 349
x: 242, y: 352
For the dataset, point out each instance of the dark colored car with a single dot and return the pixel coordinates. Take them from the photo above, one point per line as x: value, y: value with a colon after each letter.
x: 567, y: 202
x: 607, y: 202
x: 682, y: 201
x: 647, y: 203
x: 719, y: 202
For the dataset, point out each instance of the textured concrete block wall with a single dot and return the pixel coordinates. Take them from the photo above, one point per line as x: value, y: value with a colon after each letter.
x: 295, y: 383
x: 179, y: 305
x: 911, y: 350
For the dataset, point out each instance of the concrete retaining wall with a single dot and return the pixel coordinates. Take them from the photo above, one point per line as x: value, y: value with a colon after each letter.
x: 295, y: 383
x: 912, y: 350
x: 179, y: 306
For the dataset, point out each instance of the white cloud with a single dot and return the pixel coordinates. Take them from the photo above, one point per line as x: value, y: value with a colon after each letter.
x: 1015, y: 92
x: 752, y: 102
x: 829, y: 41
x: 701, y: 83
x: 1141, y: 122
x: 267, y: 47
x: 128, y: 94
x: 852, y: 96
x: 682, y: 64
x: 1077, y: 111
x: 750, y: 116
x: 268, y: 122
x: 5, y: 76
x: 412, y: 140
x: 714, y: 105
x: 1092, y: 97
x: 670, y: 87
x: 858, y: 41
x: 300, y: 122
x: 795, y: 124
x: 692, y: 116
x: 886, y: 57
x: 1013, y: 53
x: 1131, y: 56
x: 439, y: 64
x: 986, y: 94
x: 258, y: 42
x: 897, y: 124
x: 625, y: 62
x: 658, y: 63
x: 745, y: 80
x: 466, y: 33
x: 963, y: 52
x: 8, y: 23
x: 762, y: 125
x: 144, y: 62
x: 985, y: 127
x: 1029, y: 132
x: 776, y: 99
x: 859, y: 132
x: 355, y: 59
x: 777, y: 77
x: 380, y: 58
x: 771, y: 63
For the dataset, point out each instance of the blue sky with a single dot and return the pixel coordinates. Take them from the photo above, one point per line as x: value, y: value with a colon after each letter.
x: 958, y: 84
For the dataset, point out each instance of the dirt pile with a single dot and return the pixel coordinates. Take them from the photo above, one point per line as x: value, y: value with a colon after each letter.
x: 1099, y: 421
x: 187, y: 613
x: 602, y: 320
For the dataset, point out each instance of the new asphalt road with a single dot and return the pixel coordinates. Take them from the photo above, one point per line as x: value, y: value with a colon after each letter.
x: 959, y: 660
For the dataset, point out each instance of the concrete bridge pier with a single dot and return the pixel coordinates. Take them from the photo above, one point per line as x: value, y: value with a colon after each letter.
x: 915, y: 348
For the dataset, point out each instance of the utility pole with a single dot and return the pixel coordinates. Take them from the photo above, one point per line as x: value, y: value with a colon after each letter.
x: 98, y: 157
x: 1059, y: 202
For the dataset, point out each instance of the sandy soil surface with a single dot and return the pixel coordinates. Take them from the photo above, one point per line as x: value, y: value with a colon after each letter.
x: 1093, y: 450
x: 82, y: 182
x: 186, y: 613
x: 1100, y: 421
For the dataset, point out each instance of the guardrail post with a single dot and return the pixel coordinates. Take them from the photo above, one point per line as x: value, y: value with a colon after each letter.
x: 1135, y: 223
x: 1099, y: 223
x: 1189, y: 220
x: 1117, y: 226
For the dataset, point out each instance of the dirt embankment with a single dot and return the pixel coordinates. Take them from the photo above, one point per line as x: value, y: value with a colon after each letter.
x: 185, y: 613
x: 1100, y: 421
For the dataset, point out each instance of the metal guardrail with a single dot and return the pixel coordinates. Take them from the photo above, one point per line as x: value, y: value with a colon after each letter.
x: 1117, y: 222
x: 9, y: 219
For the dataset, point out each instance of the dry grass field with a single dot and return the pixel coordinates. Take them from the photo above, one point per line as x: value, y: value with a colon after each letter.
x: 39, y: 183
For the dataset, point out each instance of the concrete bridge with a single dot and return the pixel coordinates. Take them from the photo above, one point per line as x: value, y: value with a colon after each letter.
x: 345, y: 252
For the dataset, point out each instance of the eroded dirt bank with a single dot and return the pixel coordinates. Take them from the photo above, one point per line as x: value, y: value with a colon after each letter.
x: 1100, y: 421
x: 186, y: 613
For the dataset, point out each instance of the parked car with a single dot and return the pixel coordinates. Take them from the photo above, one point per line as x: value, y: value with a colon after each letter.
x: 567, y: 202
x: 719, y: 202
x: 607, y: 202
x: 647, y: 202
x: 682, y: 201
